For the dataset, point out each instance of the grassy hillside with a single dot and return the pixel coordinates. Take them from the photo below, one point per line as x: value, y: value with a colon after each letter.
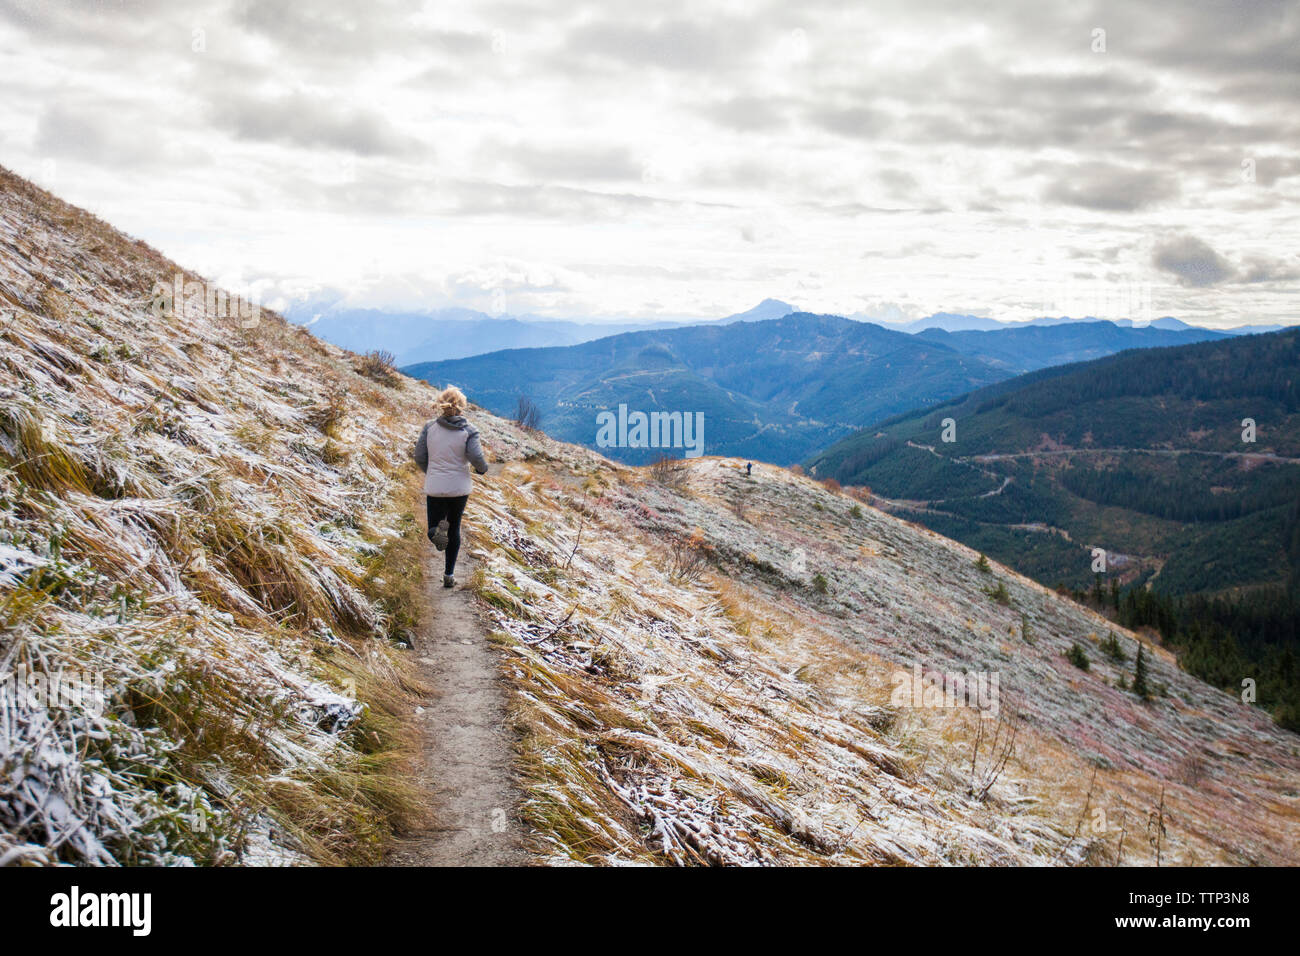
x: 203, y: 570
x: 702, y: 668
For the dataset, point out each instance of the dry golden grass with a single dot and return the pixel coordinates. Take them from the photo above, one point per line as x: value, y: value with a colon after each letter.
x: 207, y: 518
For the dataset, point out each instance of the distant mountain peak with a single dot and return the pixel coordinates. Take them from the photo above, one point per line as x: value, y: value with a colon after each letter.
x: 767, y: 309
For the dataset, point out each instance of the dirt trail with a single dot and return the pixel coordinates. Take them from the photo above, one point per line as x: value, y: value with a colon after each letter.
x: 468, y: 750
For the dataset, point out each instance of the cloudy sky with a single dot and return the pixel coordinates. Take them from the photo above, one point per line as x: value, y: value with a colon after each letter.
x: 683, y: 157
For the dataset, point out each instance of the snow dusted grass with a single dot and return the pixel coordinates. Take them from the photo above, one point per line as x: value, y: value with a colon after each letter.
x: 745, y: 716
x: 207, y: 526
x: 195, y: 525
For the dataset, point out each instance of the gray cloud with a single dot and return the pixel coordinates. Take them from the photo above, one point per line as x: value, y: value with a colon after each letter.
x: 591, y: 163
x: 1110, y: 188
x: 302, y: 119
x: 1256, y: 269
x: 856, y: 121
x: 111, y: 134
x: 680, y: 44
x: 1191, y: 261
x: 746, y: 113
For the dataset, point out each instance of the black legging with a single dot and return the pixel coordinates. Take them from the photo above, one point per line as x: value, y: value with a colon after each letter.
x: 450, y: 510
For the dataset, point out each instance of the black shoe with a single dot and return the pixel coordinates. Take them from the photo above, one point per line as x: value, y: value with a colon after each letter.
x: 448, y: 581
x: 438, y: 535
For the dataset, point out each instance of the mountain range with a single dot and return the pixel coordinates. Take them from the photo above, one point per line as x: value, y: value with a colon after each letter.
x: 777, y: 389
x: 441, y: 334
x: 456, y: 332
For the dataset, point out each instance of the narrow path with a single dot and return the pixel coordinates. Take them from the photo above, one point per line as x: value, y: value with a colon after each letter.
x: 468, y: 765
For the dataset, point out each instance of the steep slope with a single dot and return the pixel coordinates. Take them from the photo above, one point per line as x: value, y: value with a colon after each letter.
x: 194, y: 616
x: 775, y: 389
x: 703, y: 670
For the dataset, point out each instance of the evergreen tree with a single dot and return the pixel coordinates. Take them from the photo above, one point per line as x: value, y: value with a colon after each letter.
x: 1140, y: 676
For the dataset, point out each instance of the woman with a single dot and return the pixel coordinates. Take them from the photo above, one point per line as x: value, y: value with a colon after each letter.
x: 447, y: 446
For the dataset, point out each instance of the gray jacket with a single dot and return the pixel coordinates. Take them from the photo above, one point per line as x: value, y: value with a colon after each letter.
x: 445, y: 448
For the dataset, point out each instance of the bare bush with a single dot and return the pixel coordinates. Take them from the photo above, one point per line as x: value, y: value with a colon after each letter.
x: 379, y: 365
x: 327, y: 416
x: 669, y: 472
x: 860, y: 492
x: 984, y: 772
x: 527, y: 414
x: 688, y: 556
x: 1191, y: 770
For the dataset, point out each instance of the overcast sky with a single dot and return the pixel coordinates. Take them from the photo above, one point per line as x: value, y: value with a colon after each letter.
x: 683, y: 157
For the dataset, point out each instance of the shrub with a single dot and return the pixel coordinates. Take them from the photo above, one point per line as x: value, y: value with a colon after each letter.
x: 688, y: 556
x: 527, y: 414
x: 1077, y: 657
x: 1025, y: 634
x: 669, y: 472
x: 379, y: 365
x: 329, y: 414
x: 999, y: 594
x: 861, y: 492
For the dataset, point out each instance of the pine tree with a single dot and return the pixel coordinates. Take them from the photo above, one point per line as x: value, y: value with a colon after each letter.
x: 1140, y: 676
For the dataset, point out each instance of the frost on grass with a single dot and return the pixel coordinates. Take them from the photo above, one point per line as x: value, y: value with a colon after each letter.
x: 744, y: 715
x: 186, y: 649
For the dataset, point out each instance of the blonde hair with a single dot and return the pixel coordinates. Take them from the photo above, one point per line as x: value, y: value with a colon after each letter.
x: 450, y: 401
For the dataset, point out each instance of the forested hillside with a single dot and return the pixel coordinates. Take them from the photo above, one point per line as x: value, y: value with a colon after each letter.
x: 1147, y: 455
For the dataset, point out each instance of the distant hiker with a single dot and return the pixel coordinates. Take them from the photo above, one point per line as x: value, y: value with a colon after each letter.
x: 446, y: 447
x: 749, y: 469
